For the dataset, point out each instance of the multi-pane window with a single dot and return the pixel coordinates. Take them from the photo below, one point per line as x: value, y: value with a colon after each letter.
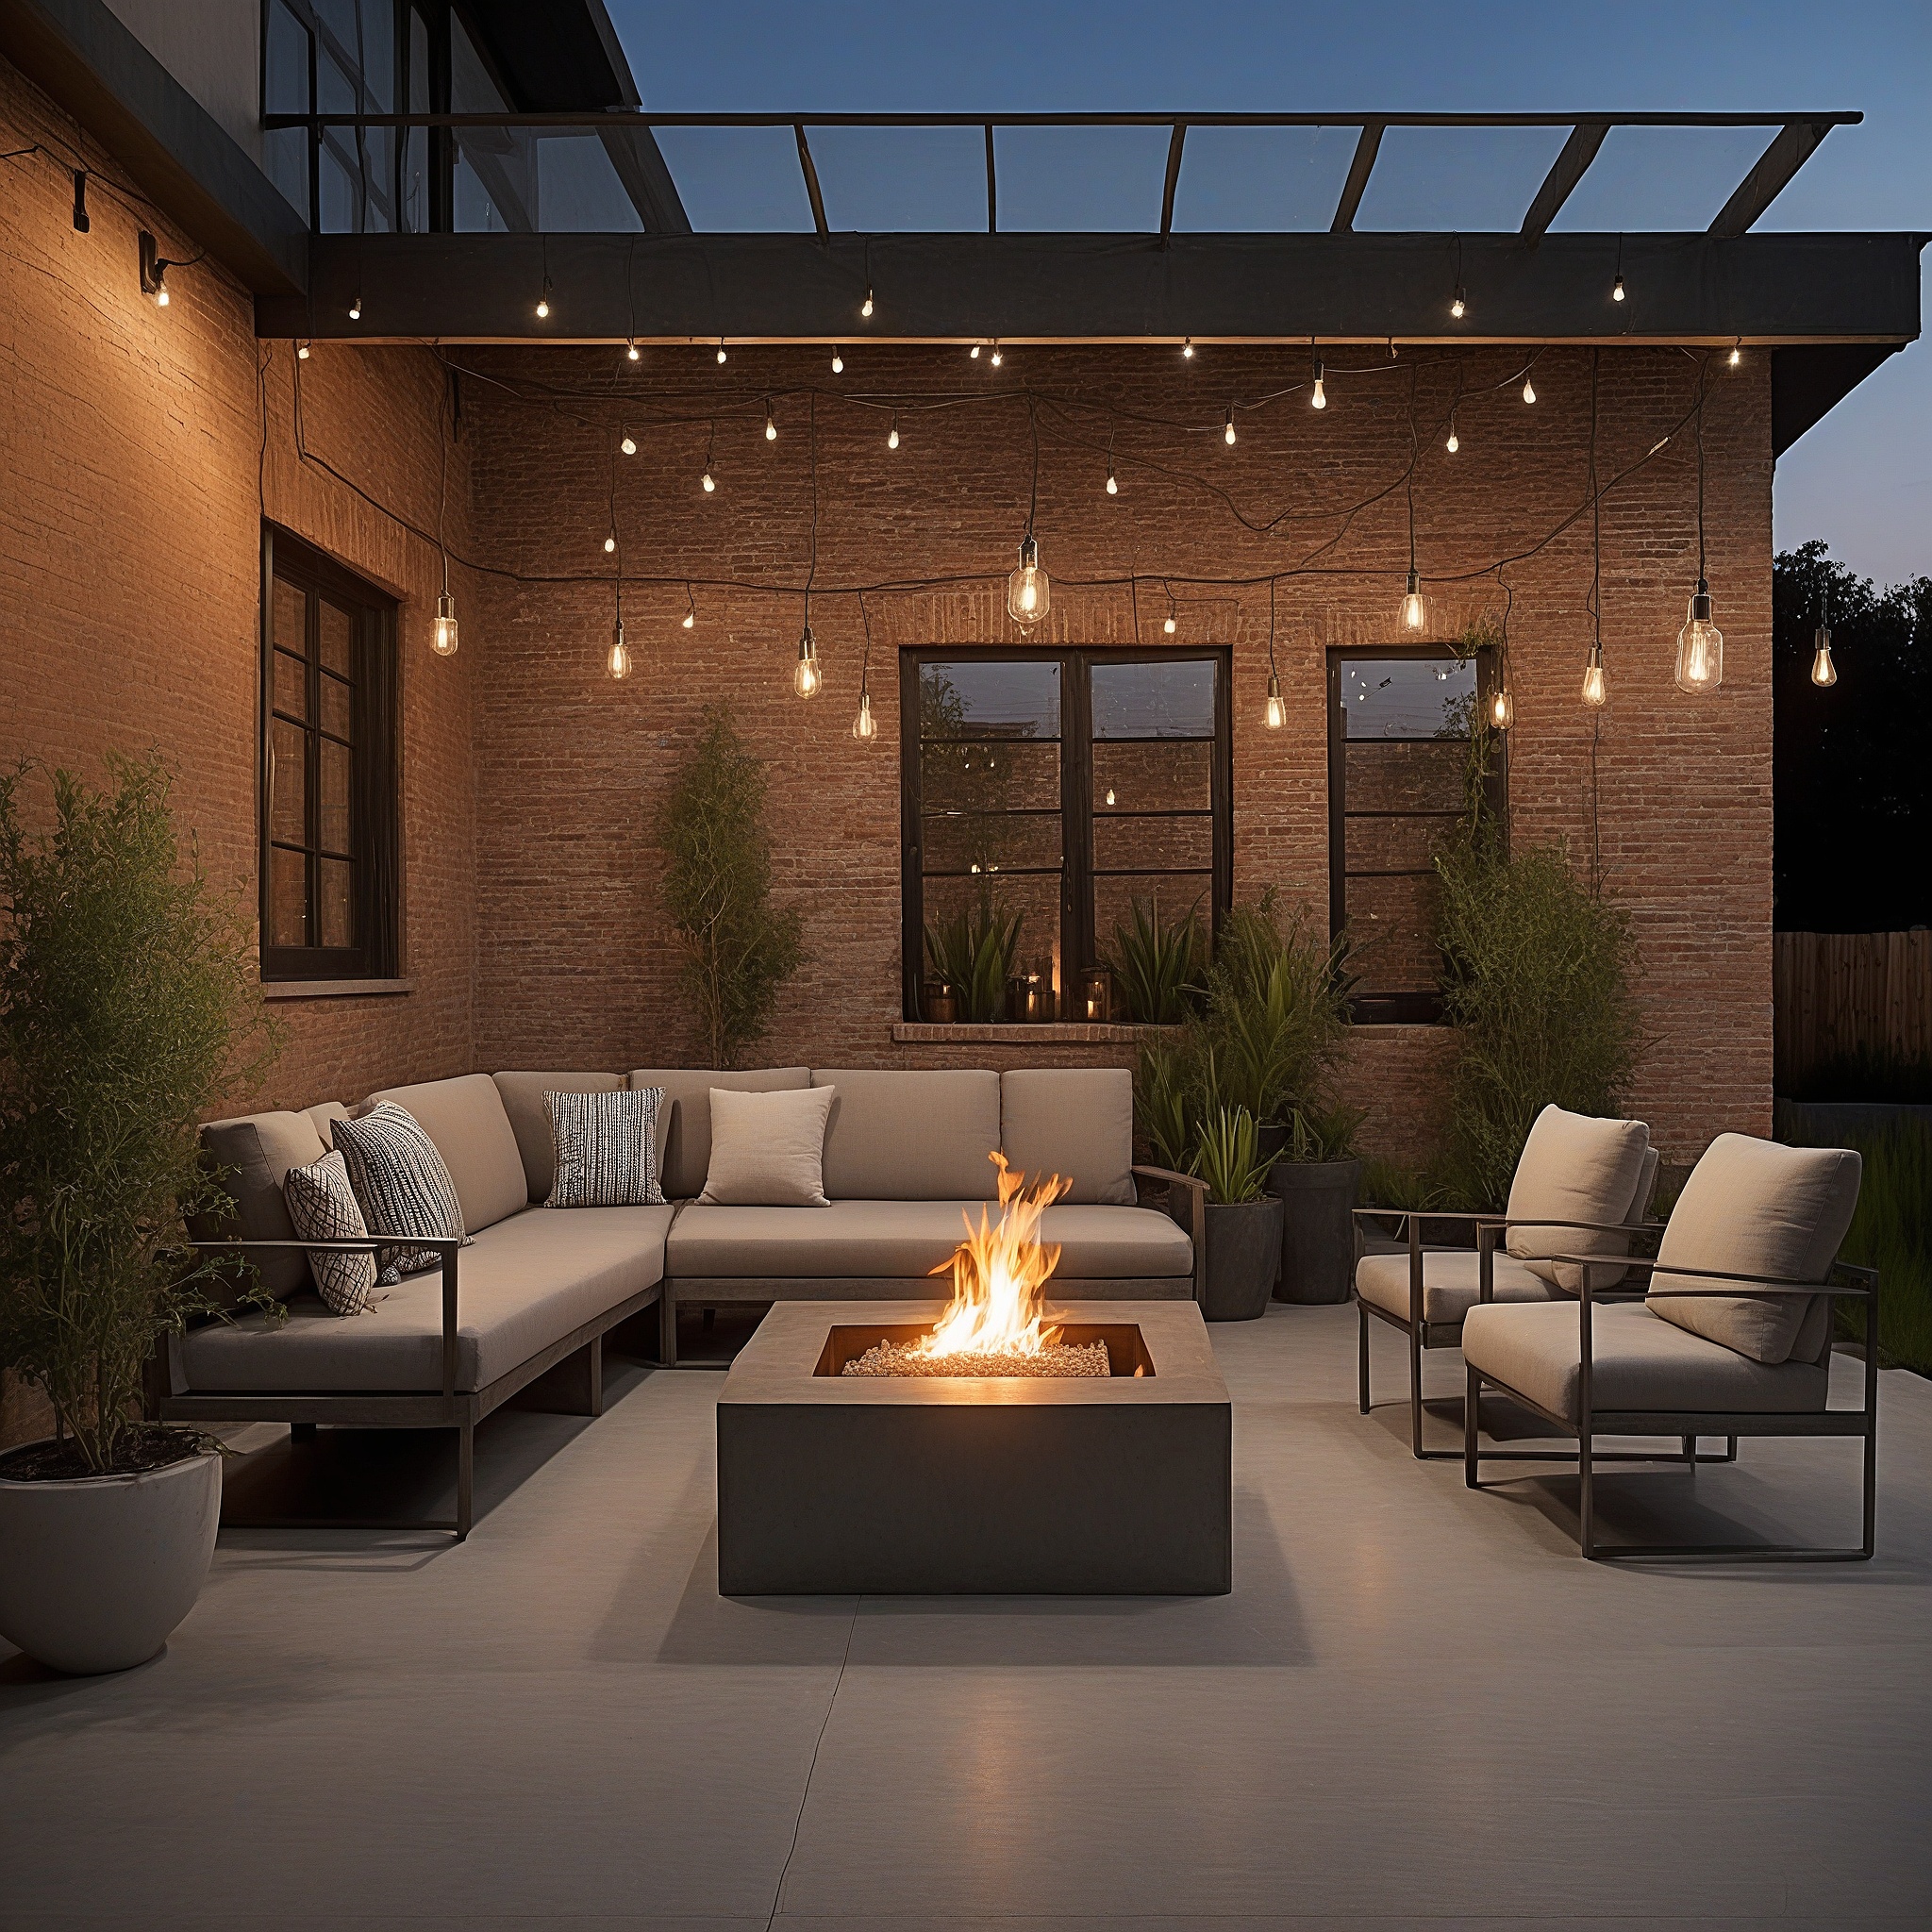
x: 1398, y: 766
x: 328, y: 902
x: 1054, y: 789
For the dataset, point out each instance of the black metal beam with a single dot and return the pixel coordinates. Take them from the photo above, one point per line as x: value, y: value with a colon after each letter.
x: 992, y: 188
x: 1113, y: 288
x: 811, y: 180
x: 1175, y: 143
x: 1356, y: 185
x: 1566, y: 171
x: 1790, y: 148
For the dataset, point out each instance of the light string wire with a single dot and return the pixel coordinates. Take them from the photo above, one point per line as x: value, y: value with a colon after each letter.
x: 1596, y: 608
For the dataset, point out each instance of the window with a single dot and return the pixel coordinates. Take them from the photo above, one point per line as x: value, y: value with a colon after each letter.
x: 1058, y: 787
x: 1398, y: 752
x: 329, y: 898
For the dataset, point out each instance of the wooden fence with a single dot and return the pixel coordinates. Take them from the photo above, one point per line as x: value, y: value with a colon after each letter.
x: 1838, y: 992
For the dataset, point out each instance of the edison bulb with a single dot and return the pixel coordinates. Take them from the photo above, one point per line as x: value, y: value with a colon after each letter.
x: 1502, y: 707
x: 1458, y: 305
x: 771, y: 427
x: 1109, y: 795
x: 161, y: 297
x: 1616, y: 289
x: 542, y: 308
x: 691, y: 620
x: 1700, y: 647
x: 837, y: 363
x: 1028, y: 593
x: 997, y: 358
x: 609, y: 545
x: 442, y: 634
x: 1113, y: 489
x: 356, y: 310
x: 806, y: 677
x: 618, y: 661
x: 1413, y: 613
x: 629, y: 446
x: 1736, y: 355
x: 1593, y: 690
x: 892, y: 437
x: 721, y: 352
x: 1319, y: 399
x: 1528, y: 390
x: 1277, y: 714
x: 1455, y: 441
x: 865, y: 726
x: 1169, y: 626
x: 301, y: 348
x: 865, y: 307
x: 1227, y: 434
x: 631, y: 354
x: 1824, y: 672
x: 974, y: 352
x: 709, y: 482
x: 1187, y: 349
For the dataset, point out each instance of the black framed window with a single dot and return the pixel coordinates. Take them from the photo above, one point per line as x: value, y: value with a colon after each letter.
x: 329, y: 891
x: 1061, y: 786
x: 1399, y: 726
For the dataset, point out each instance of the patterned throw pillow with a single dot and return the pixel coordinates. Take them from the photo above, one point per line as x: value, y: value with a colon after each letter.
x: 322, y: 1208
x: 400, y: 1183
x: 606, y: 1148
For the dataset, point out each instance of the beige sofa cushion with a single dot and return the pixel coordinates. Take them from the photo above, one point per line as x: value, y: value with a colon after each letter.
x: 899, y: 1240
x: 768, y: 1150
x: 523, y: 1283
x: 684, y: 1121
x: 255, y: 1151
x: 465, y: 1118
x: 898, y: 1136
x: 1073, y: 1121
x: 529, y: 1121
x: 1754, y: 1207
x: 1449, y: 1283
x: 1637, y: 1363
x: 1576, y: 1167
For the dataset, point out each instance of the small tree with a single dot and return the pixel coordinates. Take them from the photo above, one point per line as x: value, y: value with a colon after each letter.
x: 739, y: 948
x: 123, y: 999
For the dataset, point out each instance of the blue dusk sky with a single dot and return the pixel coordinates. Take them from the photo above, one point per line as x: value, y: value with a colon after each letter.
x: 1861, y: 479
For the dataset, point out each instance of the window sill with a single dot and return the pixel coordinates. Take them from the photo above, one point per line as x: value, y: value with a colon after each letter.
x: 1019, y: 1033
x: 332, y: 989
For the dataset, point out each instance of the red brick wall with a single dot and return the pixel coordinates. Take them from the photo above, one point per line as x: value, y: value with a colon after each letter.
x: 572, y: 966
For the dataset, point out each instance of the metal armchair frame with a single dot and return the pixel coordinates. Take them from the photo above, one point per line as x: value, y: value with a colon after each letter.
x: 1196, y: 1223
x: 1591, y: 1422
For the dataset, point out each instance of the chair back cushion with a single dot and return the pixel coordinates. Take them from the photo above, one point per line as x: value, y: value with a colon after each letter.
x: 530, y: 1120
x: 1576, y: 1167
x: 1073, y: 1121
x: 898, y: 1136
x: 1756, y: 1208
x: 465, y: 1118
x: 768, y: 1150
x: 254, y: 1152
x: 684, y: 1118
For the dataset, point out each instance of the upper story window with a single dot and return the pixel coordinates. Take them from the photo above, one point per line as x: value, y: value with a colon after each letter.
x: 330, y: 902
x: 1399, y: 732
x: 1046, y: 792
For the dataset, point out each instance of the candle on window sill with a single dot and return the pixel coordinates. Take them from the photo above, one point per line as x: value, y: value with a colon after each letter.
x: 940, y: 1003
x: 1096, y: 995
x: 1027, y: 998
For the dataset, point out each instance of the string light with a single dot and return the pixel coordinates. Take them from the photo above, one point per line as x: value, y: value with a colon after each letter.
x: 771, y: 427
x: 631, y: 355
x: 721, y: 348
x: 892, y: 434
x: 1171, y: 621
x: 1501, y: 701
x: 154, y: 265
x: 1414, y: 612
x: 355, y: 307
x: 690, y: 609
x: 710, y: 482
x: 628, y: 444
x: 301, y: 348
x: 1616, y: 289
x: 974, y: 352
x: 807, y: 678
x: 1455, y: 441
x: 1737, y: 353
x: 1227, y: 433
x: 1700, y: 644
x: 1275, y: 714
x: 543, y: 302
x: 1595, y: 695
x: 864, y: 727
x: 865, y: 307
x: 837, y: 363
x: 1188, y: 350
x: 1528, y: 388
x: 1113, y: 488
x: 1459, y: 307
x: 618, y: 662
x: 1824, y: 672
x: 1028, y: 593
x: 997, y: 358
x: 442, y: 634
x: 609, y: 543
x: 1319, y: 400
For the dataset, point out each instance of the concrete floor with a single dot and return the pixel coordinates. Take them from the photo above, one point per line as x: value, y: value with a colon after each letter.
x: 1418, y: 1706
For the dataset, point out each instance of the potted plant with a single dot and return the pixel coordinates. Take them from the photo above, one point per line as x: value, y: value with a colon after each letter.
x: 974, y: 952
x: 124, y: 996
x: 1317, y: 1178
x: 1244, y: 1219
x: 1156, y: 964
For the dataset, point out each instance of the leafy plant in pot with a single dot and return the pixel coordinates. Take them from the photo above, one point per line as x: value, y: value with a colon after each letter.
x: 124, y: 1006
x: 1244, y: 1219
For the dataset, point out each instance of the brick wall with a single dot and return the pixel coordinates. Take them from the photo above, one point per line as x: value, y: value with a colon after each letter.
x: 571, y: 963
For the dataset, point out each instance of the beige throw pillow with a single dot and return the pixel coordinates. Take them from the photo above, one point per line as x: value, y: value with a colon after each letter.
x: 1576, y: 1167
x: 768, y: 1150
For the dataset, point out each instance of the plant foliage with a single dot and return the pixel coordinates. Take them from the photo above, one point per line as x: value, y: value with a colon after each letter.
x: 973, y: 952
x: 1228, y: 1155
x: 1157, y: 963
x: 738, y: 949
x: 125, y: 1007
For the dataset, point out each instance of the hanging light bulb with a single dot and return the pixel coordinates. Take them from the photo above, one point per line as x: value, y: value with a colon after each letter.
x: 628, y: 444
x: 1824, y: 672
x: 1595, y: 693
x: 1700, y: 647
x: 974, y: 352
x: 837, y: 363
x: 691, y: 613
x: 865, y: 307
x: 892, y: 434
x: 1028, y: 590
x: 1277, y: 714
x: 1617, y: 288
x: 721, y: 348
x: 443, y: 633
x: 631, y: 355
x: 1528, y: 389
x: 1319, y: 399
x: 610, y: 543
x: 1736, y: 355
x: 771, y: 427
x: 1169, y: 624
x: 1187, y: 349
x: 865, y: 726
x: 1502, y: 706
x: 618, y: 661
x: 1113, y: 488
x: 1414, y: 614
x: 1109, y: 795
x: 356, y: 307
x: 543, y: 302
x: 997, y: 358
x: 1455, y: 441
x: 301, y: 348
x: 1460, y: 304
x: 710, y: 481
x: 806, y: 677
x: 1227, y: 433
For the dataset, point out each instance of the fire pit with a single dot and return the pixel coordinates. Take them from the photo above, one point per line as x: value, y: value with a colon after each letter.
x: 977, y: 1468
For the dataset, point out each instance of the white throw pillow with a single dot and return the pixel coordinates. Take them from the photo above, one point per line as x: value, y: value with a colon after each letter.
x: 768, y: 1150
x: 1574, y: 1167
x: 322, y: 1207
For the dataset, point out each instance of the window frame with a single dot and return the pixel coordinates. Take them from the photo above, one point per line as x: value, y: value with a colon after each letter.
x: 375, y: 767
x: 1397, y: 1008
x: 1077, y: 937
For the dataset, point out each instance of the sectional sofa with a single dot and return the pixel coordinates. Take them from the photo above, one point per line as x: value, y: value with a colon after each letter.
x: 522, y: 1309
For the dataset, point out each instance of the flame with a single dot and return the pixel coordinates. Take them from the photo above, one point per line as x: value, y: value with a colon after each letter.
x: 999, y: 1275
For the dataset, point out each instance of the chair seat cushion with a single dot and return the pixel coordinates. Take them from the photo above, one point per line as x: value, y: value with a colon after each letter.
x: 521, y: 1285
x: 1637, y: 1363
x: 1449, y: 1283
x: 868, y: 1240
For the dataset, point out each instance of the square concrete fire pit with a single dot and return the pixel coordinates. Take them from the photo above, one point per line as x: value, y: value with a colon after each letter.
x: 833, y: 1485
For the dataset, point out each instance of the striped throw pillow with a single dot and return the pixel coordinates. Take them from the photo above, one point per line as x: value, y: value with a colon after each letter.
x: 606, y: 1148
x: 322, y: 1207
x: 402, y: 1185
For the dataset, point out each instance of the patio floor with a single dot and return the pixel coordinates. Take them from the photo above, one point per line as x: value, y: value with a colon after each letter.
x: 1418, y: 1705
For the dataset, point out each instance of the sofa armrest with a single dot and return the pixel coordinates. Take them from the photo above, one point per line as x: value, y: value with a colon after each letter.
x: 1196, y: 1223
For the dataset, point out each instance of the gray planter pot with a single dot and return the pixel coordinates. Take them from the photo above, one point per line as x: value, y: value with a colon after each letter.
x: 1243, y: 1257
x: 1317, y: 1233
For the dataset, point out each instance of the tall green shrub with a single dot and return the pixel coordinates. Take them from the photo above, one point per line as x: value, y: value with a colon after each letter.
x: 125, y: 1007
x: 739, y: 948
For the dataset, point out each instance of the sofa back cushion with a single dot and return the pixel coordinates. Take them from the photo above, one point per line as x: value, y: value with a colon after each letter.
x: 1753, y: 1208
x: 522, y: 1100
x: 1073, y: 1121
x: 1576, y: 1167
x: 684, y: 1118
x: 255, y: 1152
x: 898, y: 1136
x: 465, y: 1119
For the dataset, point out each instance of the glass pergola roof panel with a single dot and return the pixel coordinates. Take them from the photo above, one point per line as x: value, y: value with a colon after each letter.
x: 737, y: 180
x: 1458, y: 180
x: 1080, y: 180
x: 901, y: 180
x: 1261, y: 180
x: 1662, y: 180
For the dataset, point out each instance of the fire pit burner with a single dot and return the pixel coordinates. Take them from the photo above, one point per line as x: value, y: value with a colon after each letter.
x: 1056, y: 1359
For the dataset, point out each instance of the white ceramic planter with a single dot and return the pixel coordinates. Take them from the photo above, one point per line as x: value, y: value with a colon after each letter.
x: 95, y: 1573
